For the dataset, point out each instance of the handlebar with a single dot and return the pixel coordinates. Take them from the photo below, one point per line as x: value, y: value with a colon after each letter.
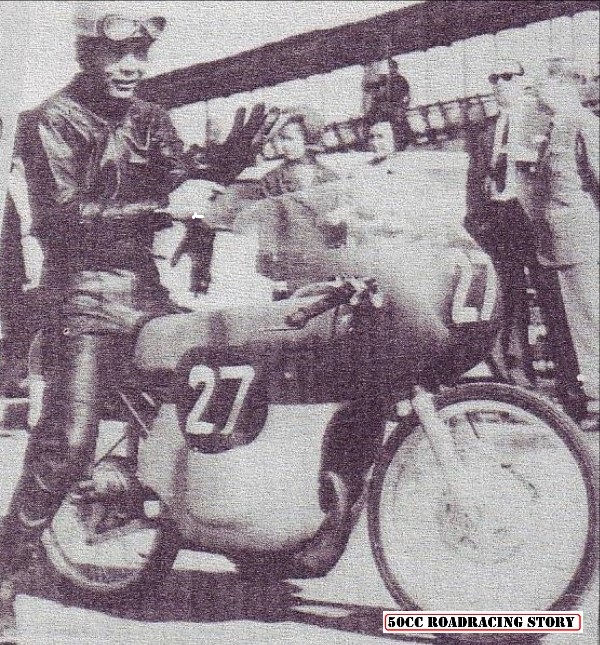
x: 340, y: 295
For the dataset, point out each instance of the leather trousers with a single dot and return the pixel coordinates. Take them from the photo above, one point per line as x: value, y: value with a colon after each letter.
x: 101, y: 310
x: 61, y: 446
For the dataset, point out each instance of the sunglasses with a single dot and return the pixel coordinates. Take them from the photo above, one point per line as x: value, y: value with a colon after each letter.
x: 117, y: 28
x: 505, y: 76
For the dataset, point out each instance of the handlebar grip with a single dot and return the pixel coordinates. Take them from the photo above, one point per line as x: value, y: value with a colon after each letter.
x: 339, y: 295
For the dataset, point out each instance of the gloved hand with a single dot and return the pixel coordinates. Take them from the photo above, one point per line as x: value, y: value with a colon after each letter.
x: 244, y: 142
x: 198, y: 244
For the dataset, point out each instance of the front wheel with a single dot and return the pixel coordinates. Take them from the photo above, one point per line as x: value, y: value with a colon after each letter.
x: 528, y: 541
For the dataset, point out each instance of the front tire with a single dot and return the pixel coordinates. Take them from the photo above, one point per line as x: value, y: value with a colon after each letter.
x: 542, y: 505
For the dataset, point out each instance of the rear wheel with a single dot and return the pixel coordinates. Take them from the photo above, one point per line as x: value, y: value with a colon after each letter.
x: 108, y: 549
x: 528, y: 541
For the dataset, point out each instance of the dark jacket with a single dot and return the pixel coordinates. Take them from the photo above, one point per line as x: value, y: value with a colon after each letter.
x: 96, y: 170
x: 106, y: 163
x: 479, y: 220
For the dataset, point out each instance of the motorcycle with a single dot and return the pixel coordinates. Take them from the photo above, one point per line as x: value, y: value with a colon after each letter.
x: 263, y: 430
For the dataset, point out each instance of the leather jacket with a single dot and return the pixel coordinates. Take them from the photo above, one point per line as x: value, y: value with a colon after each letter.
x: 96, y: 169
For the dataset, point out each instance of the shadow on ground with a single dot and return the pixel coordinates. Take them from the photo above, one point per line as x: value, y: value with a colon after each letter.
x: 200, y: 597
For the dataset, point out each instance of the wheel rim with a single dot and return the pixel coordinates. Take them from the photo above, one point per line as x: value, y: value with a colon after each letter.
x: 535, y: 524
x: 105, y: 556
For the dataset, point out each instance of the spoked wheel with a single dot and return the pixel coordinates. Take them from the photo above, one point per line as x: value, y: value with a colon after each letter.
x: 103, y: 550
x: 525, y: 540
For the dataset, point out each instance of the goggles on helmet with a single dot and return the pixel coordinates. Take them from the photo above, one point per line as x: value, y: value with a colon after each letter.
x: 117, y: 28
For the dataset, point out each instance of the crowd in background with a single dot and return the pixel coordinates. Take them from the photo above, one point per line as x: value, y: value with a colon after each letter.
x: 532, y: 205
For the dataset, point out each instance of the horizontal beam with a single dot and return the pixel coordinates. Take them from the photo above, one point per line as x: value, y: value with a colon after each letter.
x: 414, y: 28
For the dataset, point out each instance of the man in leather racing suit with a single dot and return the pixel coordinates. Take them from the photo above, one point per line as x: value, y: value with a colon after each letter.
x: 98, y: 163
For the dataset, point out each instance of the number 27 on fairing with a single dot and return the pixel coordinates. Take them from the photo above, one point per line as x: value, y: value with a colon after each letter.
x: 209, y: 378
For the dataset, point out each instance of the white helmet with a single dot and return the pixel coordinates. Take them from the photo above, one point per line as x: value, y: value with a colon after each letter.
x: 117, y: 20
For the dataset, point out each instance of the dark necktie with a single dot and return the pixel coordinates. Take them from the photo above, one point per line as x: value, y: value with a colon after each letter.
x: 499, y: 170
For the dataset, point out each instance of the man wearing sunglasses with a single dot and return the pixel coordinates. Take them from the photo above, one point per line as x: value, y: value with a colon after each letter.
x: 98, y: 163
x: 497, y: 221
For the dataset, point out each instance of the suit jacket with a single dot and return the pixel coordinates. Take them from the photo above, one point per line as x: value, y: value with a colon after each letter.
x: 479, y: 220
x: 564, y: 212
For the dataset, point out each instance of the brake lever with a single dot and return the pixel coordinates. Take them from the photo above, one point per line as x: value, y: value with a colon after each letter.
x: 338, y: 296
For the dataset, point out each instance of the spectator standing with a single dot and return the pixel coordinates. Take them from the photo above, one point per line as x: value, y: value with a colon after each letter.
x: 565, y: 211
x: 498, y: 222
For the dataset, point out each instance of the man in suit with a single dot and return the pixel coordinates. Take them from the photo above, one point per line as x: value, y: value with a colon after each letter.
x: 498, y: 217
x: 565, y: 211
x: 497, y: 221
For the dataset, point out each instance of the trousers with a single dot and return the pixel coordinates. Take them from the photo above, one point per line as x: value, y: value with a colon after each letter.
x: 60, y: 448
x: 581, y: 296
x: 101, y: 311
x: 512, y: 250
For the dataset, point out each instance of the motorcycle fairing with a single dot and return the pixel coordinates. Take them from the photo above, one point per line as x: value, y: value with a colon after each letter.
x: 258, y: 489
x: 261, y: 496
x: 438, y: 317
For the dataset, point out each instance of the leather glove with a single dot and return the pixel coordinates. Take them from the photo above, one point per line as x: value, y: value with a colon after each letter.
x: 197, y: 244
x: 244, y: 142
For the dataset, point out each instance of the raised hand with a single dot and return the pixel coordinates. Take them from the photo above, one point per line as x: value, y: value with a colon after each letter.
x: 244, y: 142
